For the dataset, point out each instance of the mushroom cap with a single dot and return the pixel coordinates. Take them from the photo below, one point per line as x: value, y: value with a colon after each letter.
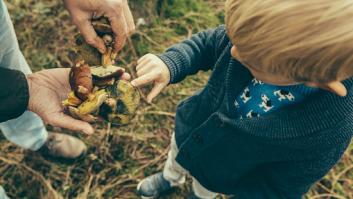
x: 74, y: 112
x: 102, y: 83
x: 93, y: 103
x: 102, y: 26
x: 127, y: 100
x: 101, y: 72
x: 80, y: 80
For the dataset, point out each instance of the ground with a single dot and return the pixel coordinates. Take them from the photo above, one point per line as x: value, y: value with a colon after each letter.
x: 119, y: 157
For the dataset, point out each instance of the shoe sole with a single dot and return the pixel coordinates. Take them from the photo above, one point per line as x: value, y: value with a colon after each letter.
x: 144, y: 197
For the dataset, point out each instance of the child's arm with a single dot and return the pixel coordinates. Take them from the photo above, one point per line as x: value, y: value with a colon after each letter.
x: 200, y: 52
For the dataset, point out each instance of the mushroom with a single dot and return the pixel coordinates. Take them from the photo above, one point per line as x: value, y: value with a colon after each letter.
x: 126, y: 99
x: 90, y: 54
x: 74, y: 112
x: 108, y: 39
x: 81, y: 80
x: 71, y: 100
x: 102, y: 26
x: 98, y: 91
x: 100, y: 72
x: 92, y: 104
x: 104, y: 82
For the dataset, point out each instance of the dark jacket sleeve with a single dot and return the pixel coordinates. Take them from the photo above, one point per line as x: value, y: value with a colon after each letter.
x: 14, y: 94
x: 200, y: 52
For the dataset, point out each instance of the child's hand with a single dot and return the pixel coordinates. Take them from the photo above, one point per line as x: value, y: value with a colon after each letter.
x: 151, y: 69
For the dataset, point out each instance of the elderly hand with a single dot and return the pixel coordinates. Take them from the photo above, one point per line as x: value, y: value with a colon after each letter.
x: 47, y: 89
x: 117, y: 11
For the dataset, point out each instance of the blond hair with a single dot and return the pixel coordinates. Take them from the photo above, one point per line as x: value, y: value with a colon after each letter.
x: 306, y: 40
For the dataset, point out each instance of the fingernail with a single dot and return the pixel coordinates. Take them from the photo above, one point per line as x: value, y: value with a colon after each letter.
x: 133, y: 83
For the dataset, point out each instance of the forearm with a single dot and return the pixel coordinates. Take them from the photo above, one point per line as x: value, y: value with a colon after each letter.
x: 14, y: 94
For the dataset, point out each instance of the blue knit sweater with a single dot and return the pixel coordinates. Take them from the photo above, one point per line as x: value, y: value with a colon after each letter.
x: 278, y: 155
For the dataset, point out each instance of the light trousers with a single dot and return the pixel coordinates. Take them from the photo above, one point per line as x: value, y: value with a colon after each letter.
x: 176, y: 174
x: 28, y: 130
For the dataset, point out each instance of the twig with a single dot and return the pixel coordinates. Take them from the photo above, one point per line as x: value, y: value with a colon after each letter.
x: 155, y: 160
x: 84, y: 194
x: 328, y: 196
x: 160, y: 113
x: 51, y: 190
x: 337, y: 177
x: 149, y: 39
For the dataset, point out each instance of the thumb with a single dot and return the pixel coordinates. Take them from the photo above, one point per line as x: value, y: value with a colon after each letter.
x: 65, y: 121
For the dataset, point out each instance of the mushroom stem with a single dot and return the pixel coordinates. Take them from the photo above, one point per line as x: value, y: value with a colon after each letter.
x: 106, y: 58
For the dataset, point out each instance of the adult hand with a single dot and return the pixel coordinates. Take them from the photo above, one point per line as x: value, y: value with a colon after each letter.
x: 47, y: 89
x: 151, y: 69
x: 117, y: 11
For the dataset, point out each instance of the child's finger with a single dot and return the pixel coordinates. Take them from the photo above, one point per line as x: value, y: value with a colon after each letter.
x: 143, y: 80
x: 146, y: 69
x: 142, y: 64
x: 154, y: 92
x: 142, y: 59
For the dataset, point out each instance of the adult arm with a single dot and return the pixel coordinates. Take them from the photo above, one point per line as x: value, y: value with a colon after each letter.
x: 14, y: 94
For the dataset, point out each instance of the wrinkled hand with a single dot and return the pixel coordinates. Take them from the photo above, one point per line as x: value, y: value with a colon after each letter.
x: 117, y: 11
x: 151, y: 69
x: 47, y: 89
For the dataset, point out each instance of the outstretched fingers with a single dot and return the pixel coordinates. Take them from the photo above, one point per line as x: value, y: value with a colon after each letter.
x: 155, y: 91
x: 144, y: 80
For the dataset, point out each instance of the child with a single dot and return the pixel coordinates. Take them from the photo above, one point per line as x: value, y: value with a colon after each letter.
x: 272, y: 119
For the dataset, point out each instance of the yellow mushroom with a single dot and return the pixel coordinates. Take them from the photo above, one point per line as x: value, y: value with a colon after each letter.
x: 94, y: 101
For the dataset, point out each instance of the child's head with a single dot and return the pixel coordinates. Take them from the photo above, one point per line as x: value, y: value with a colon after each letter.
x: 293, y: 41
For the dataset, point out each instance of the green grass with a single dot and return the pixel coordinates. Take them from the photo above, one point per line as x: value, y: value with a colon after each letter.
x: 119, y: 158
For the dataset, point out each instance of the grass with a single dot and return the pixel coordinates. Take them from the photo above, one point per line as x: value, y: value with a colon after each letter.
x: 119, y: 158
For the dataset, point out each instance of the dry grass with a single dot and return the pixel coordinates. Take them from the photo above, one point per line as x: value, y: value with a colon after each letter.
x: 118, y: 158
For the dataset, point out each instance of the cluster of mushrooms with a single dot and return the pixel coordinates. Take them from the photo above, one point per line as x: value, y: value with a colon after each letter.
x: 98, y: 93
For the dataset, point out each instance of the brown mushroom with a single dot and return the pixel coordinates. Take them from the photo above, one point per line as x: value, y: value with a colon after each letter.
x: 102, y: 26
x: 107, y: 72
x: 104, y: 82
x: 81, y: 80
